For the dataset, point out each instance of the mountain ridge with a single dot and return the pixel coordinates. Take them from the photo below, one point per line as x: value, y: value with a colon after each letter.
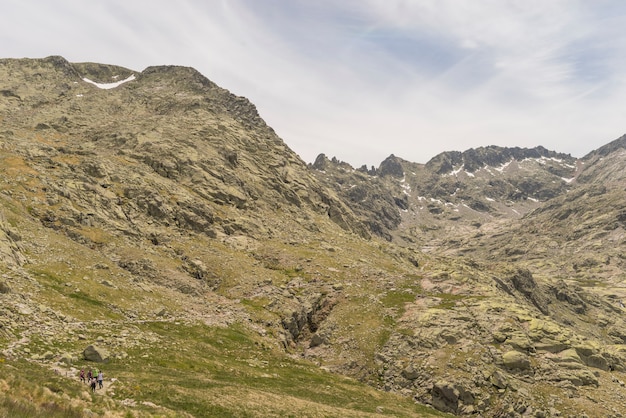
x: 164, y: 221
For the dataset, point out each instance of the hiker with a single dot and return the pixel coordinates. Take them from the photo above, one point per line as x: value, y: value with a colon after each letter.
x: 89, y: 376
x: 82, y: 375
x: 92, y: 383
x: 100, y: 379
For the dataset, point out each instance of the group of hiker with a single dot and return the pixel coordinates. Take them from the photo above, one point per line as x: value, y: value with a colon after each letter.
x: 92, y: 378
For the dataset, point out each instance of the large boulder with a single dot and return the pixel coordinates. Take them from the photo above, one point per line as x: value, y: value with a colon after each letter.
x: 96, y: 354
x: 445, y: 397
x: 516, y: 360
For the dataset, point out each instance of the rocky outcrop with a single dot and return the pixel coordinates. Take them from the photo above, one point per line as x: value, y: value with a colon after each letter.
x: 367, y: 196
x: 492, y: 156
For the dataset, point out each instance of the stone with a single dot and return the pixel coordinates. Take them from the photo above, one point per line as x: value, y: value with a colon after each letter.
x: 25, y: 310
x: 410, y: 373
x: 96, y: 354
x: 67, y: 358
x: 516, y: 360
x: 519, y: 341
x: 4, y: 288
x: 317, y: 340
x: 445, y: 397
x: 498, y: 379
x: 597, y: 361
x: 570, y: 355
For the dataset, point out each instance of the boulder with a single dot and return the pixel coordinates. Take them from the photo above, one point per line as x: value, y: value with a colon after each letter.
x: 578, y: 377
x: 597, y: 361
x: 67, y: 358
x: 410, y: 373
x: 498, y: 379
x: 519, y: 341
x: 445, y: 397
x: 317, y: 340
x: 96, y: 354
x: 516, y: 360
x: 569, y: 356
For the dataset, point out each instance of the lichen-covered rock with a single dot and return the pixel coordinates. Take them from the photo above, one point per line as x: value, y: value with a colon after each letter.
x: 515, y: 360
x: 570, y: 356
x: 96, y: 354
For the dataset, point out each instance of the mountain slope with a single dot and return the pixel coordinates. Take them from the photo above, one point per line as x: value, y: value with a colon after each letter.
x: 157, y: 216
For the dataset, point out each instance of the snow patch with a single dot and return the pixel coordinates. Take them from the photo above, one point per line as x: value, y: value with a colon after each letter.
x: 504, y: 166
x: 406, y: 188
x: 107, y: 86
x: 454, y: 172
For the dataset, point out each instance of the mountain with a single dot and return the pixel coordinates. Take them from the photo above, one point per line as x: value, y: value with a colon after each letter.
x: 152, y: 225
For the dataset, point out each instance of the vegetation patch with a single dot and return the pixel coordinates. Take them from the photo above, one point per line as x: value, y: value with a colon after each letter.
x: 230, y: 372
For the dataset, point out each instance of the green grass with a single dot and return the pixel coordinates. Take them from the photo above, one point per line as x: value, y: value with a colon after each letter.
x: 450, y: 301
x: 29, y: 390
x: 229, y: 372
x: 397, y: 298
x: 18, y: 408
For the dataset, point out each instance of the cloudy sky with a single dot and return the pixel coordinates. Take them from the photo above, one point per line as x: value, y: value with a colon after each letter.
x: 363, y: 79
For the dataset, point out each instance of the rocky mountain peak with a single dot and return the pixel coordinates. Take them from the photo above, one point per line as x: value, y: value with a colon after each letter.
x: 493, y: 156
x: 615, y: 145
x: 391, y: 166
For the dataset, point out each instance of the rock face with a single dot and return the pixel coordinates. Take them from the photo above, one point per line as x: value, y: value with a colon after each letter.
x: 487, y: 282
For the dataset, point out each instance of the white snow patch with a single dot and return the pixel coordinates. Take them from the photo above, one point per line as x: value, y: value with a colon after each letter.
x: 532, y: 199
x: 504, y: 166
x: 490, y: 199
x: 79, y: 95
x: 568, y: 180
x: 107, y: 86
x: 454, y: 172
x: 406, y: 188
